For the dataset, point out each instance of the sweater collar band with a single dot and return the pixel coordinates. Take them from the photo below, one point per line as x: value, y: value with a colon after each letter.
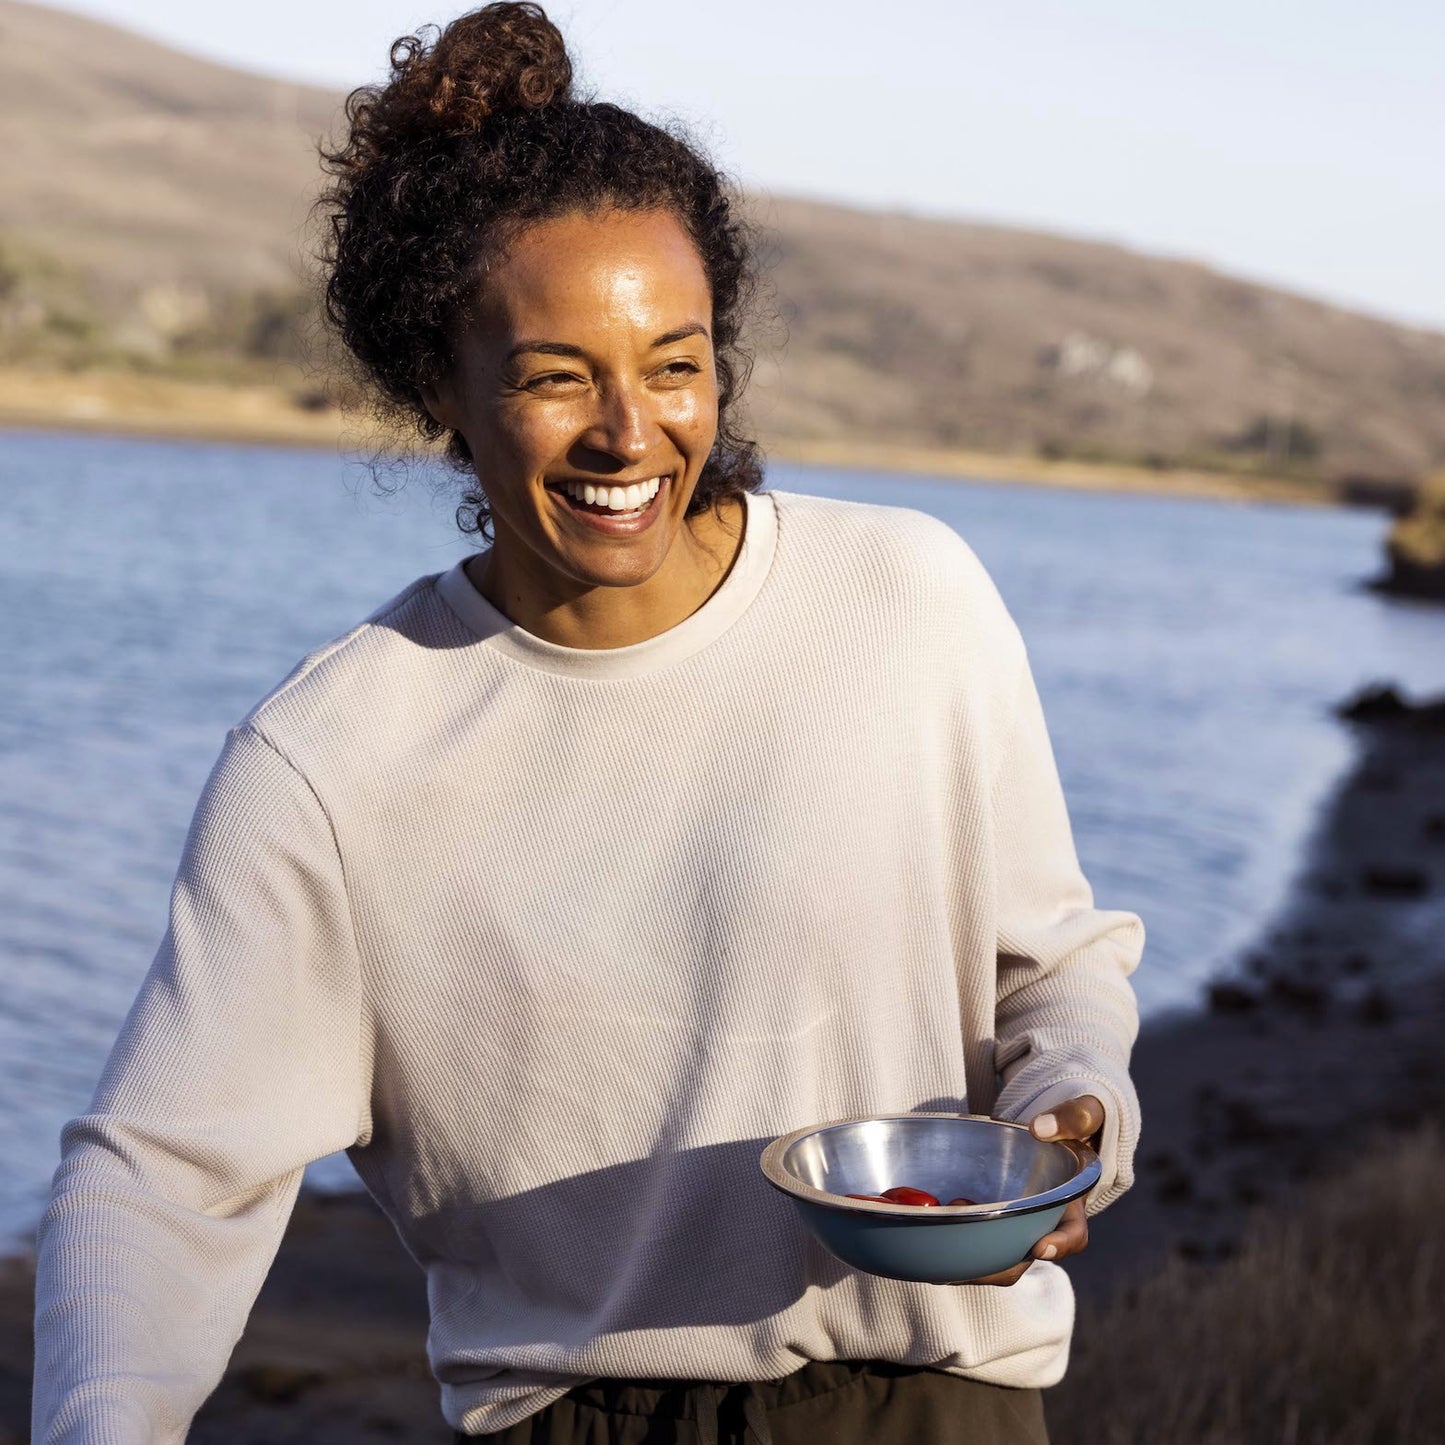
x: 731, y: 599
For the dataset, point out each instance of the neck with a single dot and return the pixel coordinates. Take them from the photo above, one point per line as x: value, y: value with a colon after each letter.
x: 578, y: 614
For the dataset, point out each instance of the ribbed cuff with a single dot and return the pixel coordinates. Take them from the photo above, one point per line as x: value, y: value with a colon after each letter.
x: 1120, y: 1134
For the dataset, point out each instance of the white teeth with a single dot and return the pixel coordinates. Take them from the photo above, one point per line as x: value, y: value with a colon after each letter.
x: 616, y: 499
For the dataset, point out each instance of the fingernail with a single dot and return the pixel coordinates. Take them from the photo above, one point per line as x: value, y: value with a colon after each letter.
x: 1046, y: 1126
x: 1050, y: 1251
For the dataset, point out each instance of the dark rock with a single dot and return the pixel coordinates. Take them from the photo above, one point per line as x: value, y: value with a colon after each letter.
x: 1383, y: 703
x: 1435, y: 827
x: 1206, y: 1251
x: 1395, y: 495
x: 1378, y: 778
x: 1247, y: 1192
x: 1375, y: 1008
x: 1396, y: 882
x: 386, y: 1425
x: 277, y: 1384
x: 1406, y: 579
x: 1299, y: 995
x: 1231, y: 998
x: 1174, y: 1188
x: 1380, y: 703
x: 1245, y: 1123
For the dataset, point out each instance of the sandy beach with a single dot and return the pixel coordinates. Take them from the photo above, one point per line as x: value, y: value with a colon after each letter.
x: 1327, y: 1038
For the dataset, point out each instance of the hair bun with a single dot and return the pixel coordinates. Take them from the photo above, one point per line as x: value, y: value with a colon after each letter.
x: 505, y: 56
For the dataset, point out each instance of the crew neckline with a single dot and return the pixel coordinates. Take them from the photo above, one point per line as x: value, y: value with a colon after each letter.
x: 731, y: 599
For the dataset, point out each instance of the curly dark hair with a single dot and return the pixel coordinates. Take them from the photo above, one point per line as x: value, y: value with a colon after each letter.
x: 477, y: 135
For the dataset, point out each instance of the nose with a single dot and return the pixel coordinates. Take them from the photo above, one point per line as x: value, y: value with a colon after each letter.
x: 624, y: 427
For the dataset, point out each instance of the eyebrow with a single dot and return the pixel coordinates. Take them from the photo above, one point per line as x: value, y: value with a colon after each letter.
x: 563, y: 348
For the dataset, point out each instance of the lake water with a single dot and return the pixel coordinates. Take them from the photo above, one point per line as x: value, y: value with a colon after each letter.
x: 1188, y: 653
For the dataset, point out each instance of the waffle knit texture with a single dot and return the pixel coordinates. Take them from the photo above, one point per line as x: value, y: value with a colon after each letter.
x: 553, y: 941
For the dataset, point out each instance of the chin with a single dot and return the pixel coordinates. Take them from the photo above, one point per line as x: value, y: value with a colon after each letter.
x: 619, y: 567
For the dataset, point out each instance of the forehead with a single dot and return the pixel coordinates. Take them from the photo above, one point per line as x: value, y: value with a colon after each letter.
x: 595, y: 272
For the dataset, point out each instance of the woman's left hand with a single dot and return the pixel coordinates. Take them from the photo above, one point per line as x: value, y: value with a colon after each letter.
x: 1082, y: 1119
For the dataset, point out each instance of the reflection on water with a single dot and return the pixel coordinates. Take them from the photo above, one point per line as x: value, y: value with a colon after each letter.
x: 1187, y: 652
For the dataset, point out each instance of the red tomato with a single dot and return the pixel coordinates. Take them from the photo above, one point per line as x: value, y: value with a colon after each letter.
x: 902, y: 1194
x: 875, y: 1198
x: 962, y: 1200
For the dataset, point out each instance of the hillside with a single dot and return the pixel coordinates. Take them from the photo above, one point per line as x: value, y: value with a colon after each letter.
x: 153, y: 211
x: 146, y: 166
x: 1004, y: 339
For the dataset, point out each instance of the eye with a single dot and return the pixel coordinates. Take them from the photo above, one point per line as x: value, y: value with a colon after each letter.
x: 679, y: 370
x: 550, y: 381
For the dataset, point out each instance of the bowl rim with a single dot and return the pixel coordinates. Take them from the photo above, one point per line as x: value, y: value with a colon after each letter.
x: 1086, y: 1175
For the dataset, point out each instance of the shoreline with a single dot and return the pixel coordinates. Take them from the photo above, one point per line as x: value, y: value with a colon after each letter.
x: 133, y: 404
x: 1326, y: 1036
x: 963, y: 465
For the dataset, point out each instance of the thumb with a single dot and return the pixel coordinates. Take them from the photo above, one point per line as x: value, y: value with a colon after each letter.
x: 1079, y: 1118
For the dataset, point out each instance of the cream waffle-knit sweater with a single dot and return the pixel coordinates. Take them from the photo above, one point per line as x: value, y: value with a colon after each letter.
x: 554, y: 940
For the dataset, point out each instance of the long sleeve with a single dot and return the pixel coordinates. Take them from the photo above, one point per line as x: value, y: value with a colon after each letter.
x: 1066, y: 1016
x: 241, y: 1061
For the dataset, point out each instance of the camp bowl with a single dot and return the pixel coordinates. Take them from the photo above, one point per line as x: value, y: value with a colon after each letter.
x: 1022, y: 1185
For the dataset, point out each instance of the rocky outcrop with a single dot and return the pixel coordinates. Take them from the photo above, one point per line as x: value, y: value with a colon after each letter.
x: 1416, y: 546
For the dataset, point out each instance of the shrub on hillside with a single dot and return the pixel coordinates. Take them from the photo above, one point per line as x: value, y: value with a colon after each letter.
x: 1291, y: 440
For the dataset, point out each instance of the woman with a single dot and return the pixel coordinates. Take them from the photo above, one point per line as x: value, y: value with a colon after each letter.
x: 683, y: 816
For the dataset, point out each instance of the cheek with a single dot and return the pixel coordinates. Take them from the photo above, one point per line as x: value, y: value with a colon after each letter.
x: 693, y: 414
x: 532, y: 436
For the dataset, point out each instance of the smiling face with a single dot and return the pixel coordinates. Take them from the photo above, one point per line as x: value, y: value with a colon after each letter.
x: 585, y: 387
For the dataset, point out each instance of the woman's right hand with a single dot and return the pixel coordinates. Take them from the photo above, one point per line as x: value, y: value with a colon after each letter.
x: 1081, y: 1119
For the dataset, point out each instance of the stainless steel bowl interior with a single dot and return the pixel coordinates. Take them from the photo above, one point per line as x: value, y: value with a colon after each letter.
x: 1002, y: 1166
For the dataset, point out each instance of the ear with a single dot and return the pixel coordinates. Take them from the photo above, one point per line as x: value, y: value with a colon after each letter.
x: 436, y: 397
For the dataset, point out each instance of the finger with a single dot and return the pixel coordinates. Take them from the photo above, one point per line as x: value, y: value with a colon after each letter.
x: 1080, y: 1118
x: 1004, y: 1278
x: 1071, y: 1236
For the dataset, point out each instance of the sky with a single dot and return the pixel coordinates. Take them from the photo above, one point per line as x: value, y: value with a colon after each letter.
x: 1300, y: 144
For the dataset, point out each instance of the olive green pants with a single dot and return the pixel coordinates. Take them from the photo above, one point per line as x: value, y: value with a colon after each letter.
x: 843, y: 1402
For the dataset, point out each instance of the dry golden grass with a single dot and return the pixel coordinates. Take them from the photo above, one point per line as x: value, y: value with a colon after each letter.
x: 1121, y: 476
x: 1327, y: 1328
x: 148, y: 405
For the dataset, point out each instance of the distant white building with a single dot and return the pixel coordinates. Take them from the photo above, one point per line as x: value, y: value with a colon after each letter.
x: 1082, y: 355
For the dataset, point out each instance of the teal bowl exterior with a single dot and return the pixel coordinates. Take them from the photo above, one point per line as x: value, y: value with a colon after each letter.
x: 931, y: 1253
x: 1024, y: 1185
